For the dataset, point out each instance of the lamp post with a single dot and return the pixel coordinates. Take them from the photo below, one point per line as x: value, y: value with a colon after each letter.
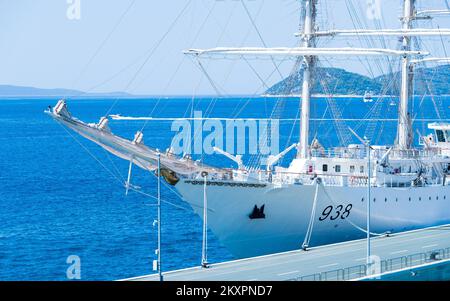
x: 159, y: 218
x: 369, y: 176
x: 205, y: 223
x: 366, y: 143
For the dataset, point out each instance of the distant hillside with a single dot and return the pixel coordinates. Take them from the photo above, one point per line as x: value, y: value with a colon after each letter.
x: 337, y: 81
x: 341, y: 82
x: 18, y: 91
x: 437, y: 77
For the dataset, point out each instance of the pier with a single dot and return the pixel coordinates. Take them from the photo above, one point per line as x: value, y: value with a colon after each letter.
x: 397, y: 252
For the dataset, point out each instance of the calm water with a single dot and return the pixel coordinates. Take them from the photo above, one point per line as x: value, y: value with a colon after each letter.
x: 60, y: 196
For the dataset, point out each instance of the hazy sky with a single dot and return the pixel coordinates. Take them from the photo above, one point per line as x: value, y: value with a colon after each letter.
x: 105, y: 50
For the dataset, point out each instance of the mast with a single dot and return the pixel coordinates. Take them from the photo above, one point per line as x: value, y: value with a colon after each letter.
x: 308, y: 65
x: 404, y: 131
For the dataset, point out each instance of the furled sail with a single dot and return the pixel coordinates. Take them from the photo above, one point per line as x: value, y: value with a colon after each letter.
x: 130, y: 150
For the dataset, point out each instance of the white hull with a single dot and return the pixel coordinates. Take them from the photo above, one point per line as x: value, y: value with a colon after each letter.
x: 288, y: 211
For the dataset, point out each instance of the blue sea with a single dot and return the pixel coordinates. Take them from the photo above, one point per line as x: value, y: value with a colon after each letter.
x: 62, y: 195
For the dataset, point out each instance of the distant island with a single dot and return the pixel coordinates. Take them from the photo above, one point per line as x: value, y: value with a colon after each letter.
x: 334, y: 81
x: 19, y: 91
x: 337, y: 81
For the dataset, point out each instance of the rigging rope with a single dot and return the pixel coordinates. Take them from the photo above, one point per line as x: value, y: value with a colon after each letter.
x: 348, y: 219
x: 115, y: 177
x: 312, y: 217
x: 259, y: 35
x: 100, y: 47
x: 213, y: 85
x: 255, y: 159
x: 212, y: 103
x: 178, y: 68
x: 150, y: 54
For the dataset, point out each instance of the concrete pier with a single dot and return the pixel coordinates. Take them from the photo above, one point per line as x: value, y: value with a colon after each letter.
x: 343, y: 261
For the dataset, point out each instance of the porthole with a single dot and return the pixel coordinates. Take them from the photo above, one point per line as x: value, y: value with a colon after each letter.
x: 385, y: 199
x: 410, y: 199
x: 374, y: 200
x: 362, y: 200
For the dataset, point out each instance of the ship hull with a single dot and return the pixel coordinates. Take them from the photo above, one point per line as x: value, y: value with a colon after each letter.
x: 340, y: 213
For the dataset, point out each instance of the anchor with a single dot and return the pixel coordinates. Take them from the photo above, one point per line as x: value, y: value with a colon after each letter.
x: 257, y: 213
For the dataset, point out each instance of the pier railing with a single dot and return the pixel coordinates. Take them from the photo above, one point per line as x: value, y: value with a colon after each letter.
x: 360, y: 153
x: 387, y: 265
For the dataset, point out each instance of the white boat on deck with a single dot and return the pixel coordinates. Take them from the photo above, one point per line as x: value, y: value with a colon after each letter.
x: 368, y: 96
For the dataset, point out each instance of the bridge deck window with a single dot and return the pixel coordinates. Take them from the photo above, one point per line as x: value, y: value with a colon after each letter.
x: 440, y: 135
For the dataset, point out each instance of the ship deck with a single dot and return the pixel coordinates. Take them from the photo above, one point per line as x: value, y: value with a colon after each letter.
x: 341, y: 261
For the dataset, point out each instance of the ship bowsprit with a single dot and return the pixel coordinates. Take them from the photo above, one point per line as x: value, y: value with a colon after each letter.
x: 131, y: 150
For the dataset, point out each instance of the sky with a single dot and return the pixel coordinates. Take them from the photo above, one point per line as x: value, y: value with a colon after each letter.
x: 137, y: 46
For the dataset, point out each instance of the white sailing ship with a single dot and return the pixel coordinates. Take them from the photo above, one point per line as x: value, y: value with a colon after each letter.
x: 321, y: 197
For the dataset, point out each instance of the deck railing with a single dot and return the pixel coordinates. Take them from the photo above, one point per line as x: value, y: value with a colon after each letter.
x: 387, y: 265
x: 361, y: 153
x: 281, y: 178
x: 340, y: 179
